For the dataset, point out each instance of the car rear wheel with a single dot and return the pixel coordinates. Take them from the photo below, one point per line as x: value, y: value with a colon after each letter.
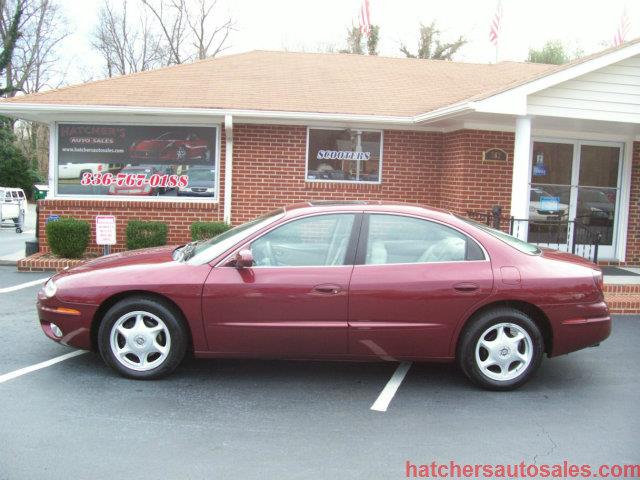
x: 142, y: 338
x: 501, y: 349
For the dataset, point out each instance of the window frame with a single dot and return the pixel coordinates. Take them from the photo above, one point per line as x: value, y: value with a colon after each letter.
x: 361, y: 253
x: 345, y: 182
x: 54, y: 163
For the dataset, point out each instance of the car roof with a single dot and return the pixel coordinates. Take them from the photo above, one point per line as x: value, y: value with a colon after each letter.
x: 317, y: 206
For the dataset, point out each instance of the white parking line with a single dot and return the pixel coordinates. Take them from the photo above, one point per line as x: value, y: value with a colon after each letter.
x: 23, y: 285
x: 390, y: 389
x: 39, y: 366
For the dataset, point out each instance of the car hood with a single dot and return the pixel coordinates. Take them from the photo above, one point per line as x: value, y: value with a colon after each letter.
x: 202, y: 184
x: 551, y: 254
x: 143, y: 256
x: 152, y: 144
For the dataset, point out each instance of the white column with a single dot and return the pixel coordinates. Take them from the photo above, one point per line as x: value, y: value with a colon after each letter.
x: 228, y: 166
x: 521, y: 175
x: 53, y: 155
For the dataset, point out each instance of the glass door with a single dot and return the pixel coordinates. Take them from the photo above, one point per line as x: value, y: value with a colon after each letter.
x: 597, y: 193
x: 574, y: 194
x: 550, y: 194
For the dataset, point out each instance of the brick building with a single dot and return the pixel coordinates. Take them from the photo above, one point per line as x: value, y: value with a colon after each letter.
x: 233, y: 137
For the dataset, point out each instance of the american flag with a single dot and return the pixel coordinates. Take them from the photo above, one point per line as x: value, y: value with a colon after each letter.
x: 365, y: 21
x: 494, y: 32
x: 623, y: 29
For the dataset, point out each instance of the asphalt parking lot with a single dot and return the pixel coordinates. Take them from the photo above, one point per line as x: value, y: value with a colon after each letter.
x: 269, y: 419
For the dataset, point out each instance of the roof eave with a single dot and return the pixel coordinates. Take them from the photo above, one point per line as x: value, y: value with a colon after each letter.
x: 32, y: 111
x: 513, y: 101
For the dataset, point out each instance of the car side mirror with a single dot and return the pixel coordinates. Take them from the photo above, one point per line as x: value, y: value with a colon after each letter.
x: 244, y: 259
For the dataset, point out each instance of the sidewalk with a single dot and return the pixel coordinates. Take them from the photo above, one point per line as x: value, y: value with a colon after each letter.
x: 12, y: 243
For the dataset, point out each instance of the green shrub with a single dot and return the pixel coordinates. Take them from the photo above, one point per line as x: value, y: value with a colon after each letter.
x: 145, y: 234
x: 68, y: 237
x: 205, y: 230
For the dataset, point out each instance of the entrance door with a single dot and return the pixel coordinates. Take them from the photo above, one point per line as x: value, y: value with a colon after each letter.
x: 574, y: 195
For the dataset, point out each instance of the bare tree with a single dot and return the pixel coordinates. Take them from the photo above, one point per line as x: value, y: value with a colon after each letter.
x: 35, y: 65
x: 10, y: 35
x: 209, y: 40
x: 126, y: 46
x: 183, y: 25
x: 431, y: 47
x: 35, y: 62
x: 356, y: 41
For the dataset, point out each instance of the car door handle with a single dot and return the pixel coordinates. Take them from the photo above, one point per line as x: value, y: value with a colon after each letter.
x: 466, y: 287
x: 327, y: 289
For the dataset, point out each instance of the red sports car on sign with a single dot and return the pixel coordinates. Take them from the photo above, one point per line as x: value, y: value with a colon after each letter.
x: 171, y: 146
x: 341, y: 281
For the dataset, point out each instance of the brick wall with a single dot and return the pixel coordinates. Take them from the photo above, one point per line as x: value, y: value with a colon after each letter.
x: 467, y: 182
x: 440, y: 170
x: 178, y: 216
x: 269, y: 170
x: 633, y: 232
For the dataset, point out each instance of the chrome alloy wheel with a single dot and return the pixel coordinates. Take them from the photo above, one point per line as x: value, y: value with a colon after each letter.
x: 140, y: 341
x: 504, y: 351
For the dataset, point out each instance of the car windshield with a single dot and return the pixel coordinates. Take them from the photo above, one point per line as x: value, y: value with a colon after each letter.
x: 209, y: 249
x: 516, y: 243
x: 201, y: 175
x: 172, y: 136
x: 536, y: 194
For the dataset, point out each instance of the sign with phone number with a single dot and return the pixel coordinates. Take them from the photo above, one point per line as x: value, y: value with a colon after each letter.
x: 134, y: 180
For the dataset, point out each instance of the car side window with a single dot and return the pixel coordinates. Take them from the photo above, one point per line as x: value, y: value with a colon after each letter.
x: 400, y: 239
x: 321, y: 240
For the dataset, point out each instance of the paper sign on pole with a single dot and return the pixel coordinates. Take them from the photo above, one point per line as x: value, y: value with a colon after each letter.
x: 105, y: 230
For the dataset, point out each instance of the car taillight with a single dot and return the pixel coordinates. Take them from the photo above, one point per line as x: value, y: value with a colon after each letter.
x: 598, y: 278
x: 99, y: 168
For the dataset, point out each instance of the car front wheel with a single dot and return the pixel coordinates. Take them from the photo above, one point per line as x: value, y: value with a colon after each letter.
x: 142, y: 338
x: 501, y: 349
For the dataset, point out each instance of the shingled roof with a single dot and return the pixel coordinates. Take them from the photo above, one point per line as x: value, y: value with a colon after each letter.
x: 300, y: 82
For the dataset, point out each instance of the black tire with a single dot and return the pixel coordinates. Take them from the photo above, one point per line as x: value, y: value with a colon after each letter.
x: 177, y: 336
x: 82, y: 172
x: 466, y: 354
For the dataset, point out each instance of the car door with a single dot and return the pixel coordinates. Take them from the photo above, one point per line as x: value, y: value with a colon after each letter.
x: 414, y: 279
x: 293, y: 301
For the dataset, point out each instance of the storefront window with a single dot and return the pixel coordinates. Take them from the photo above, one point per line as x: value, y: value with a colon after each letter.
x: 344, y: 155
x: 134, y: 160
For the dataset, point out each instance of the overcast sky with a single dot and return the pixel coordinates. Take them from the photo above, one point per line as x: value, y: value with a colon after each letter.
x: 312, y: 25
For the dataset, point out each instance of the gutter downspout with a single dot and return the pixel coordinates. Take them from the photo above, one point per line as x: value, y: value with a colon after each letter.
x: 228, y: 167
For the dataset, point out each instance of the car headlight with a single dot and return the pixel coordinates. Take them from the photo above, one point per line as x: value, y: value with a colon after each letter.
x: 50, y: 288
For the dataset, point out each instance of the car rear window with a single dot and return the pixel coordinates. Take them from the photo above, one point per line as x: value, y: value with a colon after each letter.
x: 514, y: 242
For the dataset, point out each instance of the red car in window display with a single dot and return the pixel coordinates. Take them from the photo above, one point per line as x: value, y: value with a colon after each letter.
x: 340, y: 281
x: 174, y: 146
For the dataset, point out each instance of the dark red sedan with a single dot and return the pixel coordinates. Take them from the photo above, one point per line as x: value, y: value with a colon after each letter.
x: 335, y: 281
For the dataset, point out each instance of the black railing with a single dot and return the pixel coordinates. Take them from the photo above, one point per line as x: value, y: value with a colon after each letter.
x: 554, y: 231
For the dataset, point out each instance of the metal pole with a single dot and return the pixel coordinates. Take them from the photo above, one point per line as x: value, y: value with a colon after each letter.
x: 595, y: 249
x: 497, y: 216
